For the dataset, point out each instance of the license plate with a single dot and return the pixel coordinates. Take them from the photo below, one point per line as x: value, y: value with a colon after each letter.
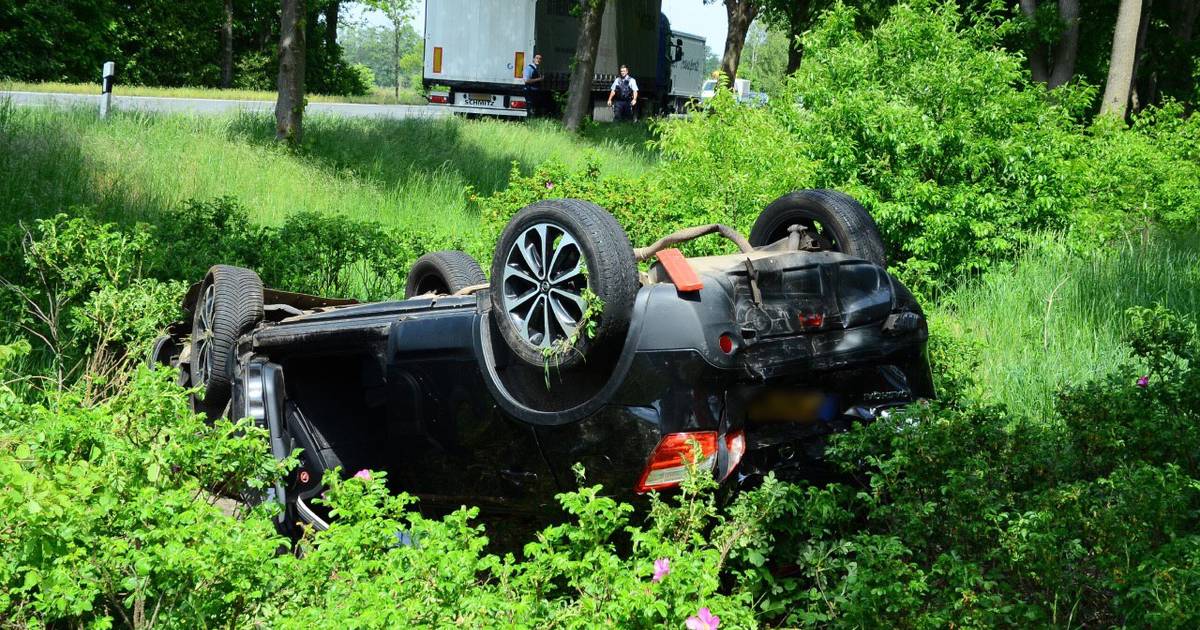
x: 789, y: 406
x: 479, y: 100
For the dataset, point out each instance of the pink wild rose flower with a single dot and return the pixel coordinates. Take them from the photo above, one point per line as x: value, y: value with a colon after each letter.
x: 662, y: 567
x: 1143, y: 381
x: 363, y: 474
x: 703, y: 620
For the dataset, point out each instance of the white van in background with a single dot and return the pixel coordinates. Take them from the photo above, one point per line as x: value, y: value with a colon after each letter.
x: 741, y: 91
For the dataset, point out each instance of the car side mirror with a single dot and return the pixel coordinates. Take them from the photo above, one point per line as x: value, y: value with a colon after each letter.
x: 678, y: 49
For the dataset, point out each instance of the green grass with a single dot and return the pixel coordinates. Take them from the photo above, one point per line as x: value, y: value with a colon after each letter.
x: 399, y: 172
x: 1056, y: 318
x: 378, y: 95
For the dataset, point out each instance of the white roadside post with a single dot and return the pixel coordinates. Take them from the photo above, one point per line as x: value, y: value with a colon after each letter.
x: 106, y: 95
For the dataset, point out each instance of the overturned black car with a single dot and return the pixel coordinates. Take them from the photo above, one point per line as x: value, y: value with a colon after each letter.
x: 480, y: 392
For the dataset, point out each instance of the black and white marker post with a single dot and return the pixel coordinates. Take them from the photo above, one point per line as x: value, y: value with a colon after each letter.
x: 106, y: 95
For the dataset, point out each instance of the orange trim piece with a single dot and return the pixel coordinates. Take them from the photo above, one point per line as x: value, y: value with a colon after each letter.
x: 681, y: 273
x: 519, y: 64
x: 437, y: 59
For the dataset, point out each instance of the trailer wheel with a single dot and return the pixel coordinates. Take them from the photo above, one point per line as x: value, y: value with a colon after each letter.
x: 839, y: 220
x: 551, y: 258
x: 230, y: 304
x: 443, y: 273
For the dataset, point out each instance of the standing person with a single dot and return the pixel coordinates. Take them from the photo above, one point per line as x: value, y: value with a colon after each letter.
x: 533, y: 85
x: 625, y: 90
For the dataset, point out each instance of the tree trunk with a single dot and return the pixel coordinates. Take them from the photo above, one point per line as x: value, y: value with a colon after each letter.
x: 796, y: 24
x: 740, y: 14
x: 795, y: 54
x: 289, y: 107
x: 331, y: 24
x: 1067, y: 48
x: 579, y: 92
x: 1037, y: 50
x: 227, y: 47
x: 1120, y: 67
x: 1139, y: 98
x: 396, y: 56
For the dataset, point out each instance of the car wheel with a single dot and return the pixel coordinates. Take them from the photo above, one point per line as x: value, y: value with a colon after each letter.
x: 552, y: 256
x: 443, y: 273
x: 229, y: 304
x: 840, y: 222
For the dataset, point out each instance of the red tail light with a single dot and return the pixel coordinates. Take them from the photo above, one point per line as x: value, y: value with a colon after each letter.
x: 439, y: 98
x: 667, y: 466
x: 811, y: 320
x: 517, y: 103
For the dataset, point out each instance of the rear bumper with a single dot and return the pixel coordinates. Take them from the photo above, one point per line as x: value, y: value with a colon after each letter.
x: 484, y: 111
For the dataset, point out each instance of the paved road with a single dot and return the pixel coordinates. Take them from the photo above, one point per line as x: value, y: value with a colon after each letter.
x: 218, y: 106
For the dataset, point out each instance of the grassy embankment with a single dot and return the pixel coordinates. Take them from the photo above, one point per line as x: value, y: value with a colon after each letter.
x: 1054, y: 319
x: 393, y: 171
x: 378, y: 95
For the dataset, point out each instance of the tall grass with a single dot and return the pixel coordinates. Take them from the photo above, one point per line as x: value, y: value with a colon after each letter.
x: 378, y: 95
x: 1056, y: 318
x: 400, y: 172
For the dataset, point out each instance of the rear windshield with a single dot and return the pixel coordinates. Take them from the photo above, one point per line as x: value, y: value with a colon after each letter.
x: 708, y: 85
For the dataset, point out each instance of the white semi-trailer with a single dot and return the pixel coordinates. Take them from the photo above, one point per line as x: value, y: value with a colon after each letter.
x: 476, y: 51
x: 687, y: 70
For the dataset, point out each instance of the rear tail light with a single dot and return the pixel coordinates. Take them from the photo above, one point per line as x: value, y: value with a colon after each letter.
x: 668, y: 463
x: 811, y: 320
x: 725, y: 341
x: 517, y: 103
x: 439, y: 98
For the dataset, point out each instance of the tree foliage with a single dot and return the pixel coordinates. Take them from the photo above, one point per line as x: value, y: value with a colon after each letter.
x: 372, y: 47
x: 161, y: 43
x: 937, y: 129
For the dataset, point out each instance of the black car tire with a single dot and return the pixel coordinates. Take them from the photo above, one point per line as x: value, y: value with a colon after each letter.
x: 443, y: 273
x: 611, y: 273
x: 236, y: 307
x: 839, y: 217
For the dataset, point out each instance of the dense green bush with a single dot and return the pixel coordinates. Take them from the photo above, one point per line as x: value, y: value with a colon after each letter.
x: 92, y: 296
x: 78, y: 289
x: 110, y: 519
x: 336, y: 256
x: 645, y: 209
x: 976, y: 517
x: 310, y: 252
x: 939, y: 133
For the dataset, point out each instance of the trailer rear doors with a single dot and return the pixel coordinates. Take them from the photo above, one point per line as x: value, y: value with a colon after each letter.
x: 478, y: 49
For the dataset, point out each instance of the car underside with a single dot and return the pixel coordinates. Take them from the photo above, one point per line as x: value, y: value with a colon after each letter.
x: 487, y: 394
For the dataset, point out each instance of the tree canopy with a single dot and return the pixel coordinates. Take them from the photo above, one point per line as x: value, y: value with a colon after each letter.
x: 164, y: 43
